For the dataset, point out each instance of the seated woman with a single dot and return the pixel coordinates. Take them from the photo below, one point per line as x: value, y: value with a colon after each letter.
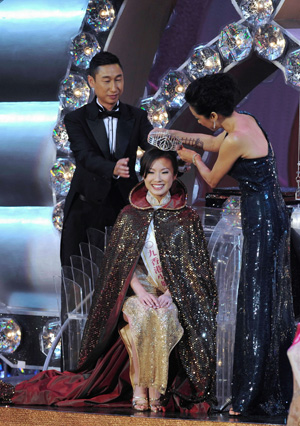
x: 157, y: 288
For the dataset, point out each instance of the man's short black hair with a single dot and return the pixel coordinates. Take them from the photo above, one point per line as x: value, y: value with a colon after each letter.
x: 102, y: 58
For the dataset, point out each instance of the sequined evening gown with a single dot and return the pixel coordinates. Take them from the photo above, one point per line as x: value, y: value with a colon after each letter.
x: 262, y: 378
x: 155, y: 333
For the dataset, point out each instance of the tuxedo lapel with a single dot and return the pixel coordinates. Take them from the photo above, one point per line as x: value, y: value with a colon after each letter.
x: 124, y: 131
x: 97, y: 128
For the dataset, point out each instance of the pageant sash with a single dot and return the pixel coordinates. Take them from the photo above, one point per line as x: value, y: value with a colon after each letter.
x: 151, y: 259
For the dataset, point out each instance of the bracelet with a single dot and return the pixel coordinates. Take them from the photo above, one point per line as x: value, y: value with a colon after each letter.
x: 194, y: 158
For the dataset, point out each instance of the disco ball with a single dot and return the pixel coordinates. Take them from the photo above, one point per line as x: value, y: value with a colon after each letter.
x: 269, y: 42
x: 173, y: 87
x: 100, y: 15
x: 231, y: 208
x: 47, y: 337
x: 61, y: 176
x: 156, y: 110
x: 235, y: 42
x: 84, y: 46
x: 257, y: 12
x: 58, y: 215
x: 61, y: 139
x: 74, y: 92
x: 292, y: 68
x: 10, y: 335
x: 204, y: 61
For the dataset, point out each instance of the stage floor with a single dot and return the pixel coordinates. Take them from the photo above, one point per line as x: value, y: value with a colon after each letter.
x: 92, y: 416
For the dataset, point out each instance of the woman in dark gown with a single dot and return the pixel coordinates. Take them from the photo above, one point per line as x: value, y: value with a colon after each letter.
x: 262, y: 378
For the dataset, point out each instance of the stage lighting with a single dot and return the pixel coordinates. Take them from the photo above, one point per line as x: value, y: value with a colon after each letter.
x: 61, y: 139
x: 58, y: 215
x: 235, y: 42
x: 61, y: 176
x: 47, y: 337
x: 204, y: 61
x: 269, y: 42
x: 83, y: 47
x: 100, y: 15
x: 257, y: 12
x: 173, y: 87
x: 156, y: 110
x: 292, y: 68
x: 74, y: 92
x: 10, y: 335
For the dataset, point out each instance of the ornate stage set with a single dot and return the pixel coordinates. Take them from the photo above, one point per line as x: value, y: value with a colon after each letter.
x: 252, y: 46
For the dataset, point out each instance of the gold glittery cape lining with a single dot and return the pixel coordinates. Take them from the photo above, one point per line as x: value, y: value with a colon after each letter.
x: 188, y: 273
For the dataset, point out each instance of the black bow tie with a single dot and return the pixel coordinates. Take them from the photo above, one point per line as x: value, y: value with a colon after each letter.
x: 106, y: 113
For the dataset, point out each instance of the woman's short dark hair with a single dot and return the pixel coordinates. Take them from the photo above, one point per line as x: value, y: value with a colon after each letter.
x: 154, y: 154
x: 100, y: 59
x: 213, y: 93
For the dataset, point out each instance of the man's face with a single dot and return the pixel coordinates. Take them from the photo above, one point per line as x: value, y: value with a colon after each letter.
x: 108, y: 84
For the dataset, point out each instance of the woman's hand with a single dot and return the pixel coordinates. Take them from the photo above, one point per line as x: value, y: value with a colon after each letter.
x: 148, y: 299
x: 164, y: 300
x: 187, y: 155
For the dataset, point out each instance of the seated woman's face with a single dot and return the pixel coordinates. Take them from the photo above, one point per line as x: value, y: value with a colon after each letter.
x: 160, y: 178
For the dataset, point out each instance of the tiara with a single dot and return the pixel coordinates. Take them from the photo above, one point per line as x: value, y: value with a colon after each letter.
x: 164, y: 141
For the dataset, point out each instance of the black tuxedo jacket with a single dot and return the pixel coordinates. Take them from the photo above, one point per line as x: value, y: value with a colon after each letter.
x: 93, y: 176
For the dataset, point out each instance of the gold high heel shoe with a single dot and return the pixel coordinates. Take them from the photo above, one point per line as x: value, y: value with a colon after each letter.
x: 140, y: 403
x: 155, y: 405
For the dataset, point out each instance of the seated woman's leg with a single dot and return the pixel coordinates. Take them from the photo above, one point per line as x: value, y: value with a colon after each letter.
x: 140, y: 393
x: 154, y: 400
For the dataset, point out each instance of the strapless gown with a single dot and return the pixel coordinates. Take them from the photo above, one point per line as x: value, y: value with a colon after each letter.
x: 265, y: 326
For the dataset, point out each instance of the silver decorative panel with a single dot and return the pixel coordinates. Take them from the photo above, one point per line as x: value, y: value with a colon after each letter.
x: 34, y: 46
x: 34, y: 55
x: 27, y: 152
x: 29, y: 260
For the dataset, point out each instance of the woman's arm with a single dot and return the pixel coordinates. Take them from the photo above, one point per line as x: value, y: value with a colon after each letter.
x: 196, y: 140
x: 230, y: 150
x: 145, y: 298
x: 200, y: 140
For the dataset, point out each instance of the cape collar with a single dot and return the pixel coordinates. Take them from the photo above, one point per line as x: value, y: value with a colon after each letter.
x: 138, y: 200
x: 154, y: 201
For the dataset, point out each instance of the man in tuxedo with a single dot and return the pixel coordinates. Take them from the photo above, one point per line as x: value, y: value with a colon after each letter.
x: 104, y: 136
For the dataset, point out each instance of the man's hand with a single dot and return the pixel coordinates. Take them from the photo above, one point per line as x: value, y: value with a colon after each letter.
x: 121, y: 168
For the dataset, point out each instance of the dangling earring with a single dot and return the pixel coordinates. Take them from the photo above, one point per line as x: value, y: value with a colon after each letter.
x: 214, y: 127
